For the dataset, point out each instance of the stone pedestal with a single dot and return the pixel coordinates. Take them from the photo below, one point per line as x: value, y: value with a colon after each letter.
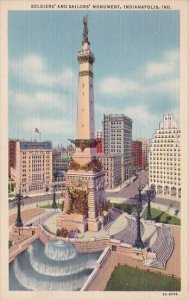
x: 72, y: 222
x: 93, y: 184
x: 94, y: 224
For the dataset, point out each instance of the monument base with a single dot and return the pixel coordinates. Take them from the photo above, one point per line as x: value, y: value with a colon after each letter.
x: 94, y: 225
x: 78, y: 221
x: 72, y: 222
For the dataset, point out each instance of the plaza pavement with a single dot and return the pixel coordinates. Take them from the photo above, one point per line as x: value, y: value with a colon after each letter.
x: 119, y: 224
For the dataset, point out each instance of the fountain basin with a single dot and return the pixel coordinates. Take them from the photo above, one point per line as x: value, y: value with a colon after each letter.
x: 55, y: 266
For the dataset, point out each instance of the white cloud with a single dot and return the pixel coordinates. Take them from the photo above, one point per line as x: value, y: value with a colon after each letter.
x: 34, y: 69
x: 167, y: 66
x: 172, y: 55
x: 167, y: 87
x: 53, y: 113
x: 50, y: 106
x: 143, y: 120
x: 58, y: 130
x: 40, y: 100
x: 36, y: 107
x: 118, y: 87
x: 165, y: 74
x: 102, y: 109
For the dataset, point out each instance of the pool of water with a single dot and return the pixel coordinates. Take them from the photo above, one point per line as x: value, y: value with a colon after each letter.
x: 55, y: 266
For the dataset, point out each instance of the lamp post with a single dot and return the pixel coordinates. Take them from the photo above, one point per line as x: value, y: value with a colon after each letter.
x: 149, y: 216
x: 138, y: 242
x: 54, y: 205
x: 18, y: 202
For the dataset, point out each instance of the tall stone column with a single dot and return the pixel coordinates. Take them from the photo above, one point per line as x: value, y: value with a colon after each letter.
x: 85, y: 170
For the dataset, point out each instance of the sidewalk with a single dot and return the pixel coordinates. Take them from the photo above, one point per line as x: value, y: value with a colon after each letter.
x: 28, y: 206
x: 122, y: 185
x: 36, y: 195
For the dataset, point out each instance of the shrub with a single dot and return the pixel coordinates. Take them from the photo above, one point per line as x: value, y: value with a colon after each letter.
x: 124, y: 206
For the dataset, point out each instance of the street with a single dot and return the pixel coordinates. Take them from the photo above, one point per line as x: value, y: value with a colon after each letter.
x: 131, y: 190
x: 37, y: 199
x: 126, y: 194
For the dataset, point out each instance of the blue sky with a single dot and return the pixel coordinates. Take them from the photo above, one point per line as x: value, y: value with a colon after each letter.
x: 136, y: 71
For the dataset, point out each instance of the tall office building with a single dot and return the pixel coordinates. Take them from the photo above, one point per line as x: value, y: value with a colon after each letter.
x: 164, y: 159
x: 111, y: 164
x: 30, y: 165
x: 145, y: 152
x: 117, y: 138
x: 136, y: 156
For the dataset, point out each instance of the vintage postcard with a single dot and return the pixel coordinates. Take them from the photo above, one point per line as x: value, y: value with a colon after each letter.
x: 94, y: 149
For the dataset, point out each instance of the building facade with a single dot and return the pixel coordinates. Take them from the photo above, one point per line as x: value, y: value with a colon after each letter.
x: 60, y: 160
x: 136, y: 156
x: 99, y: 147
x: 145, y: 153
x: 165, y: 159
x: 30, y: 166
x: 111, y: 164
x: 117, y: 138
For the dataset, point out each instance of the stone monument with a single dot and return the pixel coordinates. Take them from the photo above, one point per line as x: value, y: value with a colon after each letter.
x: 85, y: 203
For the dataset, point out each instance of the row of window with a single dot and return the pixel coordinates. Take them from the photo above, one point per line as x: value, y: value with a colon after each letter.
x: 167, y: 136
x: 164, y: 158
x: 165, y: 182
x: 165, y: 169
x: 167, y: 131
x: 165, y: 177
x: 154, y: 145
x: 34, y: 154
x: 36, y: 177
x: 171, y: 149
x: 157, y: 154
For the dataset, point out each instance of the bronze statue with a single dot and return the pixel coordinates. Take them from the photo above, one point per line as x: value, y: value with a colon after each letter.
x: 85, y: 29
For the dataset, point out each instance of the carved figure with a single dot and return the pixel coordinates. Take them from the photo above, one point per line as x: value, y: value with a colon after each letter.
x: 78, y: 201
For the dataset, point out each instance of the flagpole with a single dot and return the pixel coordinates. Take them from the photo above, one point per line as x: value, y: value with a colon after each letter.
x: 39, y: 135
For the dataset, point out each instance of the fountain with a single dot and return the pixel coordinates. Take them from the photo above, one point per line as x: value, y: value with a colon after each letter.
x: 55, y: 266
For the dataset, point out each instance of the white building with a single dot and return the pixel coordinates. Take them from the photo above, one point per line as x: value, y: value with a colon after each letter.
x: 117, y: 138
x: 164, y: 159
x: 99, y: 134
x: 30, y: 166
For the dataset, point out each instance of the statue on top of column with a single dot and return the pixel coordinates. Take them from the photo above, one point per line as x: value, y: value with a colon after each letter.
x: 85, y: 30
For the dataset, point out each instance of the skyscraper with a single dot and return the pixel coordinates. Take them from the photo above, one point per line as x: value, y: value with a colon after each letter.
x: 136, y: 156
x: 145, y: 152
x: 164, y: 159
x: 117, y: 138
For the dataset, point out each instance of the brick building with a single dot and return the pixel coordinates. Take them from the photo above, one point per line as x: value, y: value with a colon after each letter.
x: 136, y: 156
